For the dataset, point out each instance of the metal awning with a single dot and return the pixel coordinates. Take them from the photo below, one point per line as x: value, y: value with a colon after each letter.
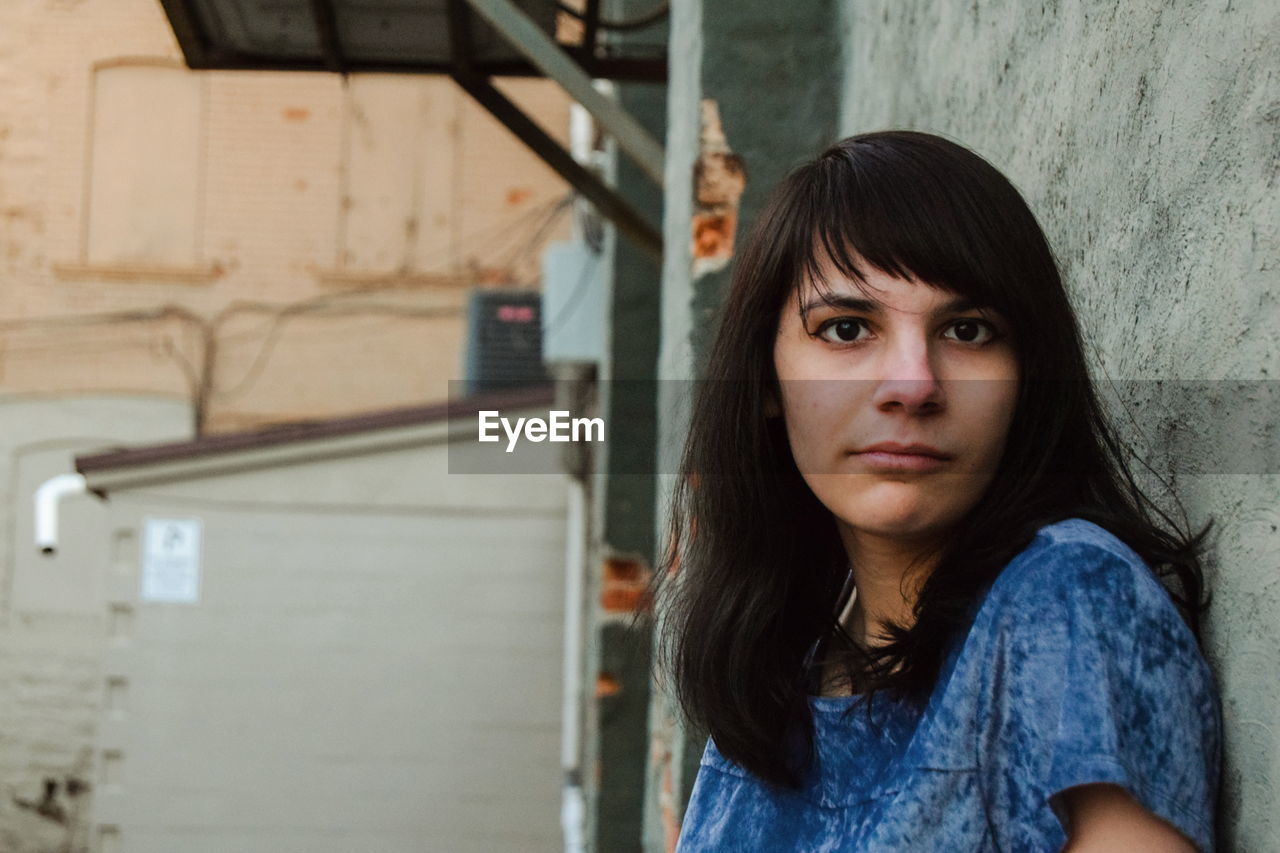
x: 470, y: 40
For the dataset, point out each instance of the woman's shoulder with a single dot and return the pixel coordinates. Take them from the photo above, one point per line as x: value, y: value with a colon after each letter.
x: 1086, y: 672
x: 1074, y: 580
x: 1075, y: 557
x: 1081, y: 531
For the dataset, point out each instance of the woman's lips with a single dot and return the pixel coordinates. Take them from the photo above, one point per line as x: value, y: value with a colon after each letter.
x: 885, y: 460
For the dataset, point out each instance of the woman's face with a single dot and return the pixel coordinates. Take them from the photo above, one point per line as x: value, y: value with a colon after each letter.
x: 906, y: 364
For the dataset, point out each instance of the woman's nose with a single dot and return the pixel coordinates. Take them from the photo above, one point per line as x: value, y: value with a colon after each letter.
x: 908, y: 379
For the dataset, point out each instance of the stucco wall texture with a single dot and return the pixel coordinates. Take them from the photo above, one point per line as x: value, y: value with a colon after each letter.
x: 1144, y: 136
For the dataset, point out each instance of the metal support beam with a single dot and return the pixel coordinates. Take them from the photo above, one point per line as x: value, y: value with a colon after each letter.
x: 591, y: 27
x: 609, y: 203
x: 327, y: 25
x: 539, y: 48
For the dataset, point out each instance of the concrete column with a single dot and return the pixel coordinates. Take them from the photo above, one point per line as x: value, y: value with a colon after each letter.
x: 618, y: 658
x: 753, y: 91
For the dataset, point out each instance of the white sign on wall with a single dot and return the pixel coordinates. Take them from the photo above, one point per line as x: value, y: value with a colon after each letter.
x: 171, y: 560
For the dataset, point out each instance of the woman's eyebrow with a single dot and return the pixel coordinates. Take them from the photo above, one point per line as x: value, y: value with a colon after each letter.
x: 848, y: 303
x: 962, y: 303
x: 871, y: 306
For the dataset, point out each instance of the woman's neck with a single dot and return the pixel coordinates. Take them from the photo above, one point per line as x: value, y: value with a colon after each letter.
x: 887, y: 583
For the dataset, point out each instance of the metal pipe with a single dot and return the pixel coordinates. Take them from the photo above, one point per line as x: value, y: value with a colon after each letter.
x: 572, y: 808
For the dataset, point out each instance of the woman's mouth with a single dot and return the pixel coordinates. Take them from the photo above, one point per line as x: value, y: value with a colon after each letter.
x: 885, y: 460
x: 894, y: 456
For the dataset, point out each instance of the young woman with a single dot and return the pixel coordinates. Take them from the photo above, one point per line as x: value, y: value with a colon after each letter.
x: 913, y: 589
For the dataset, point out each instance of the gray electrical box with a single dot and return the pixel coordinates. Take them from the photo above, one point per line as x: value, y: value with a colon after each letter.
x: 574, y: 304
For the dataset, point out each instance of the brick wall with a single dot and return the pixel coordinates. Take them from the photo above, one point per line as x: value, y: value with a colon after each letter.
x: 291, y: 206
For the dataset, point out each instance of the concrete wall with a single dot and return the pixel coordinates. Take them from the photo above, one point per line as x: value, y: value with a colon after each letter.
x: 1144, y: 137
x: 617, y: 658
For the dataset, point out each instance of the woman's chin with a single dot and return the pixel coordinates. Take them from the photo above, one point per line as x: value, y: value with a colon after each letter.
x: 913, y: 508
x: 895, y: 514
x: 898, y: 529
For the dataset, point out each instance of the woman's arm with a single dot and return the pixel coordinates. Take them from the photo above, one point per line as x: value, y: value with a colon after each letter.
x: 1104, y: 817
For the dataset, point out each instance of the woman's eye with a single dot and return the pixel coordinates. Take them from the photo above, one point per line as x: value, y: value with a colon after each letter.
x: 970, y: 331
x: 841, y: 331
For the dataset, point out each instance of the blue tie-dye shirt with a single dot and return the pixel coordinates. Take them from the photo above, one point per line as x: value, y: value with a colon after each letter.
x: 1076, y: 668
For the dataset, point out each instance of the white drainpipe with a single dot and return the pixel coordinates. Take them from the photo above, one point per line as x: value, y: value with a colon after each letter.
x: 572, y: 807
x: 47, y: 496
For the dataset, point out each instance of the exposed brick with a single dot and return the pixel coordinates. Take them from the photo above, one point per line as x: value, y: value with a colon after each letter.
x: 270, y: 216
x: 719, y: 179
x: 607, y: 685
x: 624, y: 585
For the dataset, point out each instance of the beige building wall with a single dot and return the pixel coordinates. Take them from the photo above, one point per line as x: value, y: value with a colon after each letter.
x: 236, y: 248
x: 370, y: 658
x: 52, y: 608
x: 269, y: 246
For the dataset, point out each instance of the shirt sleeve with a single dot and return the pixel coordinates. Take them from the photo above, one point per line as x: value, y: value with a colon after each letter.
x: 1094, y: 677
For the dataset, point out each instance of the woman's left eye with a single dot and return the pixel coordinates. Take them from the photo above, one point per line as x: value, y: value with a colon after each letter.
x: 971, y: 329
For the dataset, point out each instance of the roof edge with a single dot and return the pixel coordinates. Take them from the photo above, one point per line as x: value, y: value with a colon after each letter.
x: 314, y: 430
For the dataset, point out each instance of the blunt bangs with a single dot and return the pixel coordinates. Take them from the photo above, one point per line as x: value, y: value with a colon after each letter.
x: 918, y: 208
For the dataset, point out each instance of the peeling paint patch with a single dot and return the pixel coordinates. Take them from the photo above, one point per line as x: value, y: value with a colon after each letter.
x: 623, y: 585
x: 607, y: 685
x: 719, y: 177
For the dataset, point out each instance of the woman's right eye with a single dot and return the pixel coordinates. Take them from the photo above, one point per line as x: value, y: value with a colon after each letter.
x: 843, y: 330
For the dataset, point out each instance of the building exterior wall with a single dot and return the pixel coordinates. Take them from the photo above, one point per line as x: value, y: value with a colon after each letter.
x: 52, y: 611
x: 1144, y: 138
x: 373, y: 661
x: 265, y: 245
x: 617, y: 653
x: 298, y: 248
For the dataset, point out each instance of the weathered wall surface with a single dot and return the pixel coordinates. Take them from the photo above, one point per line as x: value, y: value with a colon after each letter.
x: 622, y: 541
x: 1144, y: 137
